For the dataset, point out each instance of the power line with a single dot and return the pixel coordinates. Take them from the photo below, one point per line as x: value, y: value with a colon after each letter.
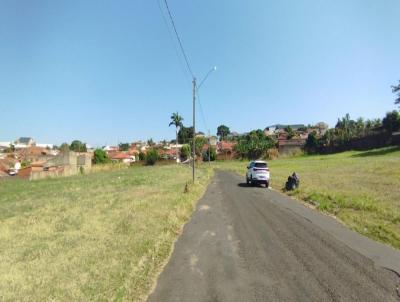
x: 181, y: 64
x: 179, y: 39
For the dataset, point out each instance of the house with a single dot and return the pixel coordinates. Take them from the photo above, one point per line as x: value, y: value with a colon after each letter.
x: 167, y: 153
x: 273, y: 129
x: 5, y: 145
x: 225, y: 150
x: 110, y: 148
x: 24, y: 142
x: 123, y: 157
x: 33, y: 153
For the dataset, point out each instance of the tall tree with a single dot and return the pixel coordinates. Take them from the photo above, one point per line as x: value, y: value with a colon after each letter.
x: 222, y: 132
x: 185, y: 135
x: 78, y: 146
x: 176, y: 120
x: 396, y: 89
x: 391, y: 122
x: 124, y: 146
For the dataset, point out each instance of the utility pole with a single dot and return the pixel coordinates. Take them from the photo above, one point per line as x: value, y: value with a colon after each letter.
x: 209, y: 148
x: 194, y: 127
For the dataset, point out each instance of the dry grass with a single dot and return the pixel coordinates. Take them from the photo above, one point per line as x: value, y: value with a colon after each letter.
x: 101, y: 236
x: 361, y: 188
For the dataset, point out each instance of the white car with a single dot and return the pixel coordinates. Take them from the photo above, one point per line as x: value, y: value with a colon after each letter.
x: 257, y: 173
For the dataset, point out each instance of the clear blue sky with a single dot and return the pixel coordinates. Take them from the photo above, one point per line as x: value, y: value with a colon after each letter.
x: 108, y: 71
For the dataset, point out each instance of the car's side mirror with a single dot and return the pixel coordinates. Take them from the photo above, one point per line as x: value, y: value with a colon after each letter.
x: 248, y: 167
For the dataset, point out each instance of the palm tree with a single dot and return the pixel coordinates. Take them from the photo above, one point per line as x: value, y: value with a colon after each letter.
x: 176, y: 120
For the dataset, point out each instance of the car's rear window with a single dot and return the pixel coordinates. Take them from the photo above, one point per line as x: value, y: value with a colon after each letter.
x: 260, y: 165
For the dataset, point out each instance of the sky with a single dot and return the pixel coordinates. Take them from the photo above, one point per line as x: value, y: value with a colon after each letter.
x: 107, y: 72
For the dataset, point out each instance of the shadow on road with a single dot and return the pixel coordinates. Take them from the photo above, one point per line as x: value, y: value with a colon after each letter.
x: 245, y: 185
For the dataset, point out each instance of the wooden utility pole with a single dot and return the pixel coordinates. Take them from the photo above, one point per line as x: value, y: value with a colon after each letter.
x: 194, y: 128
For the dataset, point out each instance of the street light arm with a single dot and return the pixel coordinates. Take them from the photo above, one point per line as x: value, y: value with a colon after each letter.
x: 207, y: 75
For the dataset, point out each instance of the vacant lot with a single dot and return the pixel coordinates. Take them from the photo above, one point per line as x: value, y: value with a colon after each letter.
x: 361, y: 188
x: 102, y: 236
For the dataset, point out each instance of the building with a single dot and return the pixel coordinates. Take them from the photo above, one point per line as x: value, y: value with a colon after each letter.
x: 123, y: 157
x: 273, y: 129
x: 24, y: 142
x: 67, y: 163
x: 110, y: 148
x: 5, y: 145
x: 226, y: 150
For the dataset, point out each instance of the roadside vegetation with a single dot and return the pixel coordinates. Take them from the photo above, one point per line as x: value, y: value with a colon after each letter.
x: 100, y: 237
x: 361, y: 188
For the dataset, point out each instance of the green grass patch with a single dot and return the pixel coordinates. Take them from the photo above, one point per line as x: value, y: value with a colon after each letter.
x: 102, y: 236
x: 361, y: 188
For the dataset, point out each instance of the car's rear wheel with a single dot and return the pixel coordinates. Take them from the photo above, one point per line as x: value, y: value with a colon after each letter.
x: 251, y: 180
x: 267, y: 184
x: 247, y: 180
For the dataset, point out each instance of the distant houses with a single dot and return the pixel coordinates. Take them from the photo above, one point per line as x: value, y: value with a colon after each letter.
x: 27, y: 159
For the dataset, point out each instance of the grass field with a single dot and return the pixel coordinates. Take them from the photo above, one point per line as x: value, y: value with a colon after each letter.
x: 361, y: 188
x: 99, y: 237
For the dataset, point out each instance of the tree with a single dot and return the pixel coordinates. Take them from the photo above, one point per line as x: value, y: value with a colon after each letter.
x: 10, y: 149
x: 346, y: 127
x: 391, y: 122
x: 150, y: 142
x: 124, y: 146
x: 64, y: 147
x: 100, y: 157
x: 322, y: 127
x: 176, y: 120
x: 254, y: 145
x: 290, y: 132
x: 222, y: 132
x: 360, y: 127
x: 185, y: 152
x: 78, y: 146
x: 199, y: 143
x: 151, y: 156
x: 312, y: 142
x: 185, y: 135
x: 396, y: 89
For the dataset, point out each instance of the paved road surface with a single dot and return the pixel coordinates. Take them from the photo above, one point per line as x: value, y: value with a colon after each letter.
x: 251, y: 244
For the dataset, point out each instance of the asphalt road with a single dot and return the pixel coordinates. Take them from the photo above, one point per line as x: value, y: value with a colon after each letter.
x: 254, y: 244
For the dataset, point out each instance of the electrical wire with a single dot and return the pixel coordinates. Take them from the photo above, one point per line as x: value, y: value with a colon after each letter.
x: 184, y: 70
x: 179, y: 39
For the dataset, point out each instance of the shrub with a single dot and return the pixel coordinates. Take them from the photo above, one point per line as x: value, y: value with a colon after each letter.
x: 213, y: 154
x: 141, y: 155
x: 185, y: 152
x: 100, y: 157
x: 151, y: 156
